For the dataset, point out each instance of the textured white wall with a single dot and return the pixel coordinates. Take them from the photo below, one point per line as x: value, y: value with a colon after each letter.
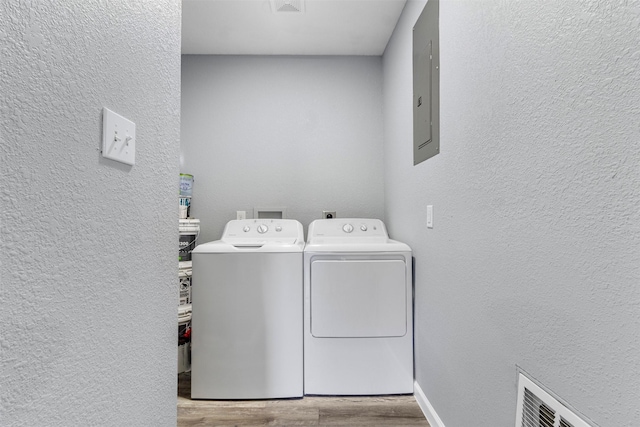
x: 87, y: 246
x: 534, y: 256
x: 303, y: 133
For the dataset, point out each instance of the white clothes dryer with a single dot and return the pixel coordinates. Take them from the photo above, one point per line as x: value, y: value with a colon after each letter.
x: 247, y: 321
x: 358, y: 319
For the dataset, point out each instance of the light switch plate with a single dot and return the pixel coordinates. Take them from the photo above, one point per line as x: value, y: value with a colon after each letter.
x: 118, y: 138
x: 430, y: 216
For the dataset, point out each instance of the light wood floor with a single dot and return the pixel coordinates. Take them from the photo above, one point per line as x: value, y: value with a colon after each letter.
x: 396, y: 411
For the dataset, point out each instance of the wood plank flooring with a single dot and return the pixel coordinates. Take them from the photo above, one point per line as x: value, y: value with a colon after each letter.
x: 396, y: 411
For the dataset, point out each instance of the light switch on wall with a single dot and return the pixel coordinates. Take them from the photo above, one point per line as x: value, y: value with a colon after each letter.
x: 430, y: 216
x: 118, y: 138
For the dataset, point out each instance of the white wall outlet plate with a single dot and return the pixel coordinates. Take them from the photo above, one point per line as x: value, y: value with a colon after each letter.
x: 241, y: 214
x: 118, y: 138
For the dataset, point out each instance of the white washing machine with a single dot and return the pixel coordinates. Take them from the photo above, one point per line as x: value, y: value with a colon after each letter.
x: 247, y: 321
x: 358, y: 299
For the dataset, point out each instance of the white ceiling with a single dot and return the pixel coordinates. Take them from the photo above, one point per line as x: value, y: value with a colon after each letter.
x: 324, y: 27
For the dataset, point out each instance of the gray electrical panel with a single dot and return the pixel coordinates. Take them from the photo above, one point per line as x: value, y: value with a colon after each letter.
x: 426, y: 84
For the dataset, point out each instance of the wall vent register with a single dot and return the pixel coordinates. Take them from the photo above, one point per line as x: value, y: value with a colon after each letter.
x: 537, y: 408
x: 287, y: 6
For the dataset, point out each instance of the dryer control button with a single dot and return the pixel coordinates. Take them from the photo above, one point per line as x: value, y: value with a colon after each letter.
x: 347, y: 228
x: 278, y: 228
x: 363, y: 227
x: 262, y: 228
x: 246, y: 228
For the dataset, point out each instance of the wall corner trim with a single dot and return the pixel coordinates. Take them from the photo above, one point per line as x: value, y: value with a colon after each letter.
x: 427, y: 409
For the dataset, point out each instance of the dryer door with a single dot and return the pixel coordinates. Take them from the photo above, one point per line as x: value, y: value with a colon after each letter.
x: 358, y: 298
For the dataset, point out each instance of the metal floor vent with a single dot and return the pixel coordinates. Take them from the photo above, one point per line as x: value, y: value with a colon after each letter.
x: 278, y: 6
x: 537, y: 408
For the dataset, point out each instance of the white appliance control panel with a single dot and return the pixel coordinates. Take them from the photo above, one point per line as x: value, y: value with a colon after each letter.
x: 348, y: 228
x: 262, y: 230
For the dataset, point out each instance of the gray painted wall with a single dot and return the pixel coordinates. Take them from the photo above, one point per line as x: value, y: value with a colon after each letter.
x: 534, y: 257
x: 88, y: 246
x: 303, y: 133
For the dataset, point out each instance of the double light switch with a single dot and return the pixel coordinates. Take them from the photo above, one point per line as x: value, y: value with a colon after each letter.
x: 118, y: 138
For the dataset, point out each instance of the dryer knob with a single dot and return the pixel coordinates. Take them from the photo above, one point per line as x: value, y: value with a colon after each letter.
x: 278, y: 228
x: 262, y: 228
x: 246, y: 228
x: 363, y: 227
x: 347, y: 228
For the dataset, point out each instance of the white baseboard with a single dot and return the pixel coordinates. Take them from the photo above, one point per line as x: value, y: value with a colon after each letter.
x: 425, y: 405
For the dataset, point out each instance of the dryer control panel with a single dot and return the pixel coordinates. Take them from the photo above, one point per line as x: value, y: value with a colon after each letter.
x: 348, y: 229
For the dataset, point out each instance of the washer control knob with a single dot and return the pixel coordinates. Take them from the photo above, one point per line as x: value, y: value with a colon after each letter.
x: 262, y: 228
x: 363, y: 227
x: 278, y: 228
x: 347, y: 228
x: 246, y: 228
